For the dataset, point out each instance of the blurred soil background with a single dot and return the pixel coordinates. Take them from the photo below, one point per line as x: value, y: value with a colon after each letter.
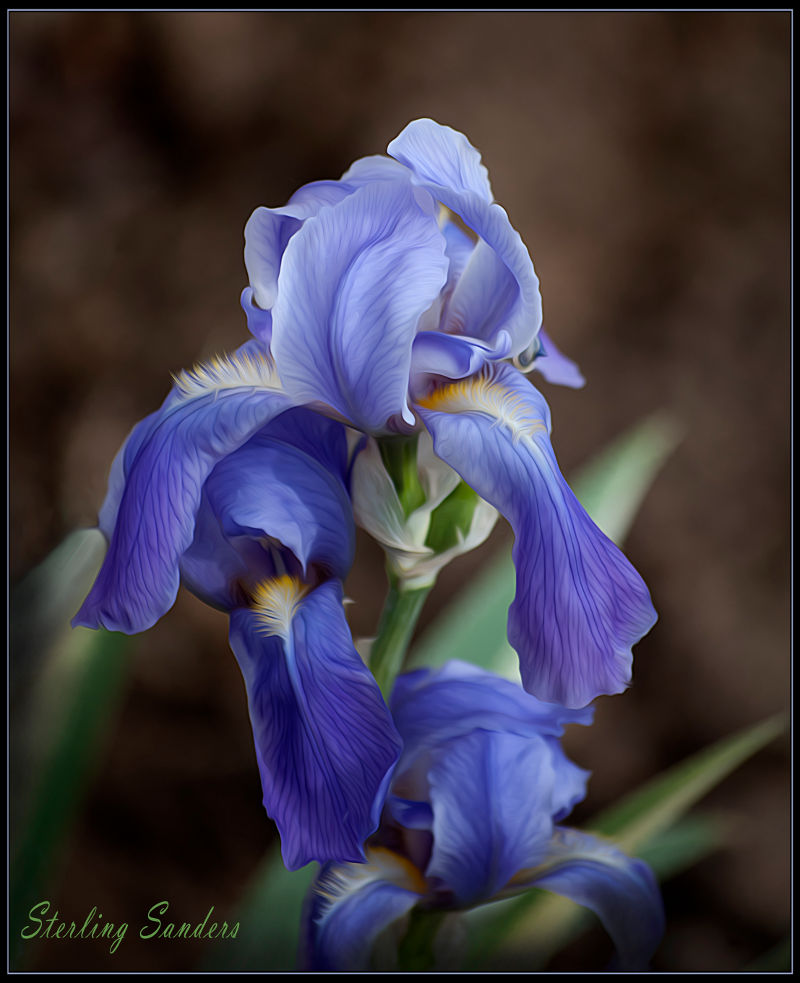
x: 645, y: 160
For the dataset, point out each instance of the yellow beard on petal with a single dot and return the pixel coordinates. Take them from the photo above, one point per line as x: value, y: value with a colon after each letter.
x: 242, y: 370
x: 342, y: 880
x: 275, y: 603
x: 481, y: 394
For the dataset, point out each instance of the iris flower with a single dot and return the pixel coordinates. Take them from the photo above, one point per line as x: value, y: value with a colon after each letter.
x: 389, y: 301
x: 245, y: 501
x: 393, y: 299
x: 473, y: 816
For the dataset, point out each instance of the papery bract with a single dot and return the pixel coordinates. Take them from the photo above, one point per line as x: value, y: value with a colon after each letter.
x: 404, y: 538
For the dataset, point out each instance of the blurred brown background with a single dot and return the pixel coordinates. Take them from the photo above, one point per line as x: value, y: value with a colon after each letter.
x: 645, y: 160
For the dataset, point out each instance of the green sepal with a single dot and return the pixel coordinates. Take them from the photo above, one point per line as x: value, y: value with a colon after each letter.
x: 451, y: 520
x: 399, y: 456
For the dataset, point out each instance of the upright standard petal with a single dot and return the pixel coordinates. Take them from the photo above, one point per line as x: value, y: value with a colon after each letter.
x: 484, y: 296
x: 619, y: 889
x: 433, y: 706
x: 211, y: 412
x: 441, y: 155
x: 259, y: 321
x: 491, y: 794
x: 353, y: 284
x: 579, y: 605
x: 448, y: 166
x: 459, y: 248
x: 266, y: 235
x: 438, y: 712
x: 375, y: 167
x: 325, y: 742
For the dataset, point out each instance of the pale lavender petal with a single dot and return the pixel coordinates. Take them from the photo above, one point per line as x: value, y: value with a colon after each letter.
x: 555, y: 366
x: 446, y: 165
x: 116, y: 480
x: 484, y: 296
x: 411, y: 813
x: 579, y: 605
x: 441, y: 155
x: 432, y: 707
x: 268, y: 231
x: 569, y: 787
x: 259, y: 321
x: 324, y: 740
x: 353, y: 284
x: 294, y: 491
x: 459, y: 248
x: 375, y: 167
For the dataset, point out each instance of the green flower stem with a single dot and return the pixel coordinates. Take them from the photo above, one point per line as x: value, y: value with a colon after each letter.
x: 398, y: 620
x: 415, y: 953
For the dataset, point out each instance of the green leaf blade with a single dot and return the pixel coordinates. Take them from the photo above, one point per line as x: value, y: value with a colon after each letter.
x: 642, y: 816
x: 66, y: 686
x: 269, y: 920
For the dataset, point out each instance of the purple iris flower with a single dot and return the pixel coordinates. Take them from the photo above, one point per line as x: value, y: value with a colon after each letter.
x: 244, y: 499
x: 393, y: 299
x: 473, y: 816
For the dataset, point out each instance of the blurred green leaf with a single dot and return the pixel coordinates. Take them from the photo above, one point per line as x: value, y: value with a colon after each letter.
x: 611, y: 488
x: 613, y: 485
x: 686, y: 843
x: 527, y: 931
x: 643, y: 815
x: 66, y: 685
x: 269, y: 920
x: 43, y: 603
